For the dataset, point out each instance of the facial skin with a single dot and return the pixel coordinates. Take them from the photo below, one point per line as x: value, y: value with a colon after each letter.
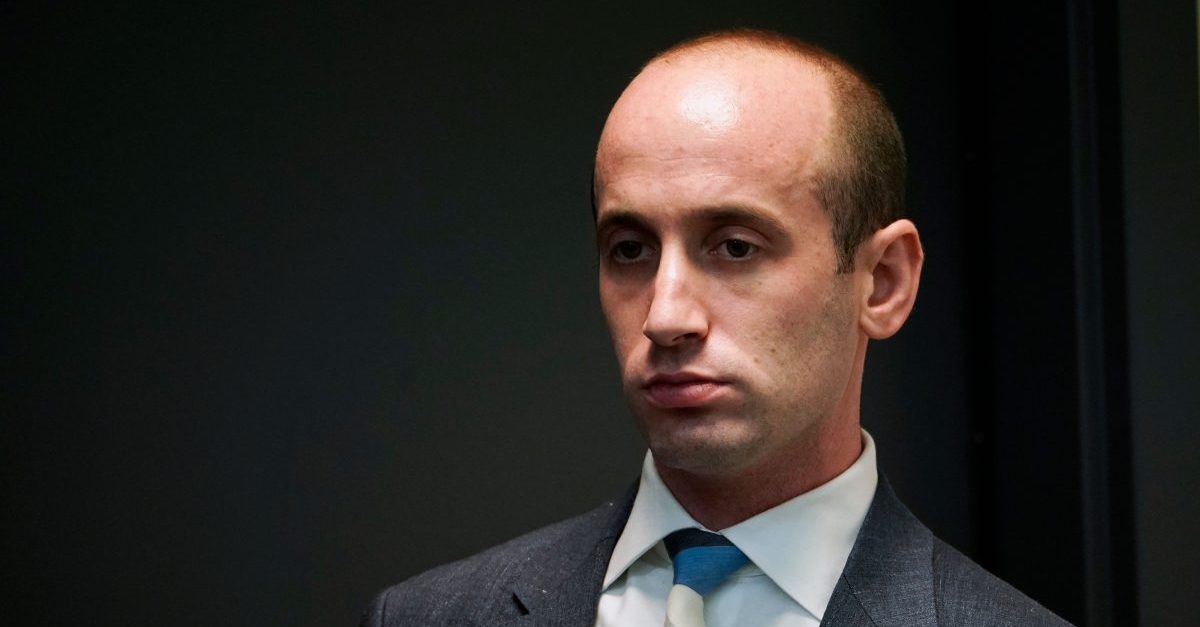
x: 740, y: 345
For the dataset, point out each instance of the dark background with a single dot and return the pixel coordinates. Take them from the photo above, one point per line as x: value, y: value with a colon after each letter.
x: 300, y: 301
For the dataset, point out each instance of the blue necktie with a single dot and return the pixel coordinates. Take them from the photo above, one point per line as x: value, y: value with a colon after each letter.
x: 702, y: 560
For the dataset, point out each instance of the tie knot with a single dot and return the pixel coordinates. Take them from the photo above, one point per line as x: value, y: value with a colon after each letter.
x: 702, y: 560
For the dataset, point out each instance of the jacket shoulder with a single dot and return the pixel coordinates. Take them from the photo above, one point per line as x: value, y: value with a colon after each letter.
x: 969, y: 595
x: 479, y: 588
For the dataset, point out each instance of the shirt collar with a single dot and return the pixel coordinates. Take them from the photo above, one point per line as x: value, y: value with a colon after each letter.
x: 802, y: 544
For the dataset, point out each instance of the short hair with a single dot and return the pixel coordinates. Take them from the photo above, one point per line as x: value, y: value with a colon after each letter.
x: 862, y: 184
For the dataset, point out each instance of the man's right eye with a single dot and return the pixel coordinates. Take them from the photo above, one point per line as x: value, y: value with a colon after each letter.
x: 629, y: 251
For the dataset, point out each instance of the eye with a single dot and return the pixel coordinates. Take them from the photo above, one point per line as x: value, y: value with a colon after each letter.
x: 736, y: 248
x: 629, y: 251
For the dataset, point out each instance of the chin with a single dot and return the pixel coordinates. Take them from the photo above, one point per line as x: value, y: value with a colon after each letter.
x: 704, y: 446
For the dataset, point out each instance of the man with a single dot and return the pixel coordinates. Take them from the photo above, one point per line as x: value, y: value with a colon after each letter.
x: 748, y: 193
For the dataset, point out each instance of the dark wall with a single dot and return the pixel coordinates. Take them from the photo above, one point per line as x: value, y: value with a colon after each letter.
x: 1161, y: 135
x: 302, y: 300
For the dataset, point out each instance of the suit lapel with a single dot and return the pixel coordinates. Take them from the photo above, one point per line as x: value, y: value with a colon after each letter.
x: 564, y: 589
x: 888, y: 579
x: 844, y: 609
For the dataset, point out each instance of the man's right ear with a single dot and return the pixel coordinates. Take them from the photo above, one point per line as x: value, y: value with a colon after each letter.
x: 892, y: 259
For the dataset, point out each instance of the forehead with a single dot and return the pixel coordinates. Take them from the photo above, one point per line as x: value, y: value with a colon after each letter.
x: 768, y: 112
x: 741, y: 129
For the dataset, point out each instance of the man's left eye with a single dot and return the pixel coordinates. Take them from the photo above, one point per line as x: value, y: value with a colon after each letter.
x: 737, y: 249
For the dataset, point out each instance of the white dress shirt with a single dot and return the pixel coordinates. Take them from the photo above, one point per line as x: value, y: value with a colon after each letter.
x: 797, y: 551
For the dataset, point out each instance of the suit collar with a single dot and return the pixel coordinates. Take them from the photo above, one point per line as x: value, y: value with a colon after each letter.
x: 888, y: 579
x: 565, y: 590
x: 802, y: 544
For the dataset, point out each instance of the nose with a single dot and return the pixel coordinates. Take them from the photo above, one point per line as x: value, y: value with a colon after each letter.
x: 676, y: 315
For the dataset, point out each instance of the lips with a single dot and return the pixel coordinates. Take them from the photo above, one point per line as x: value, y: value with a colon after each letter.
x: 679, y: 390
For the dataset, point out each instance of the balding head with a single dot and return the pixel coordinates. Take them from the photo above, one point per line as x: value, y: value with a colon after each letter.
x: 745, y: 260
x: 772, y: 100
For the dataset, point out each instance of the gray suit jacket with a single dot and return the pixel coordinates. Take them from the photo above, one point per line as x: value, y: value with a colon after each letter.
x: 898, y: 574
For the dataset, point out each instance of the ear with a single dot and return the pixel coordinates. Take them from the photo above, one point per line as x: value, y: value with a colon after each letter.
x: 890, y: 262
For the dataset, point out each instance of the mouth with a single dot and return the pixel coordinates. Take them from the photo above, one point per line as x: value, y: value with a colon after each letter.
x: 679, y: 390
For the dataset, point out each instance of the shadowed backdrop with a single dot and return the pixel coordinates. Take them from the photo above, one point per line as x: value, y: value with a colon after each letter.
x: 302, y: 300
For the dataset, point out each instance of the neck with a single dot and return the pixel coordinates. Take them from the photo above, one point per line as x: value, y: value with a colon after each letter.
x: 721, y: 501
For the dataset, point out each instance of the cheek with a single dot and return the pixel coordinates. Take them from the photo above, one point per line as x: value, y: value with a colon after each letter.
x: 790, y: 337
x: 772, y: 316
x: 624, y: 315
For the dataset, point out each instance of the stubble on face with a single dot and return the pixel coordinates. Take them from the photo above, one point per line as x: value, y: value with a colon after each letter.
x: 791, y: 378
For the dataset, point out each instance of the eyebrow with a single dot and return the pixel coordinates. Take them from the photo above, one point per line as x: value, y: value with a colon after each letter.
x: 619, y: 218
x: 724, y: 213
x: 744, y: 215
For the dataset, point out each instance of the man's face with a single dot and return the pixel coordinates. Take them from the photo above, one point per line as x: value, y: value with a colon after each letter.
x: 735, y: 335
